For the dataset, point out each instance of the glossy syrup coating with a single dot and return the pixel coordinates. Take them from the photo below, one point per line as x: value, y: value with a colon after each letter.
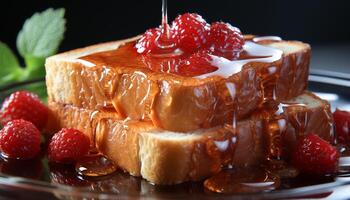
x: 152, y: 151
x: 148, y: 95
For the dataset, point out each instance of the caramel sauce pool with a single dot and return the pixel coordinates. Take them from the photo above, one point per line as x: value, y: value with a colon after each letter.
x: 126, y: 56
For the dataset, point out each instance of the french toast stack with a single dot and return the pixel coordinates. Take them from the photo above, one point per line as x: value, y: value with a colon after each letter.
x: 169, y: 128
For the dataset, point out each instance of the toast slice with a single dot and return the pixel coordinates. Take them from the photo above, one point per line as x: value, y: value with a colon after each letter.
x: 170, y: 101
x: 166, y: 157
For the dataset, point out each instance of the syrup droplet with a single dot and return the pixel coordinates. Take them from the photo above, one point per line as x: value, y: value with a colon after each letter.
x: 94, y: 165
x: 242, y: 181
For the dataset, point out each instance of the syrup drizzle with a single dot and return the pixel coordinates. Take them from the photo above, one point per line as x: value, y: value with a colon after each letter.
x: 165, y: 62
x: 94, y: 164
x: 164, y: 40
x: 242, y: 181
x: 238, y: 180
x: 222, y: 146
x: 254, y: 53
x: 166, y: 45
x: 276, y: 127
x: 227, y: 67
x: 266, y: 38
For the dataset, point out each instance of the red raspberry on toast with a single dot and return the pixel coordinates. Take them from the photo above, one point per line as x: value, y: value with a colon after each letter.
x: 191, y: 31
x: 225, y: 40
x: 147, y: 42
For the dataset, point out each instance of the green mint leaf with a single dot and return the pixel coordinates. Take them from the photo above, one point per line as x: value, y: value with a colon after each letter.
x: 16, y: 74
x: 8, y: 60
x: 41, y: 34
x: 10, y: 69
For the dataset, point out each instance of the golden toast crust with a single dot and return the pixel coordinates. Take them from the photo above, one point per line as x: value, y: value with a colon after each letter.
x: 165, y: 157
x: 170, y: 101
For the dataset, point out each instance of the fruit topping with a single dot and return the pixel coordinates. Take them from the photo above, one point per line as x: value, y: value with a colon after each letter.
x: 225, y: 40
x: 182, y: 45
x: 342, y: 126
x: 313, y: 155
x: 191, y: 31
x: 147, y: 42
x: 20, y: 139
x: 197, y: 64
x: 68, y: 146
x: 24, y: 105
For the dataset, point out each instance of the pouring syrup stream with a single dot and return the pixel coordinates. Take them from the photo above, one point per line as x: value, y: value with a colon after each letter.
x: 166, y: 45
x: 165, y: 29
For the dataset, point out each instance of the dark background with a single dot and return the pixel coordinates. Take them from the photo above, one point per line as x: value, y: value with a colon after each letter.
x: 325, y: 24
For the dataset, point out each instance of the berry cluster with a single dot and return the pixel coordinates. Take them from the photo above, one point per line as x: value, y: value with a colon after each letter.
x: 195, y: 37
x: 190, y: 32
x: 23, y: 115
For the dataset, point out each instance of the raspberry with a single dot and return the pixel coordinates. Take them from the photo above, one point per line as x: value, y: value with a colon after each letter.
x: 68, y: 146
x: 24, y: 105
x: 197, y: 64
x: 147, y: 43
x: 342, y: 126
x: 314, y: 155
x: 225, y: 40
x: 191, y: 31
x: 20, y: 139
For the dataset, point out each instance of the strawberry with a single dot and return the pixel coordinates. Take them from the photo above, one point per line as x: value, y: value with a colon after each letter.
x: 342, y: 126
x: 68, y: 146
x: 314, y: 155
x: 197, y: 64
x: 24, y: 105
x: 225, y: 40
x: 20, y: 139
x: 191, y: 31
